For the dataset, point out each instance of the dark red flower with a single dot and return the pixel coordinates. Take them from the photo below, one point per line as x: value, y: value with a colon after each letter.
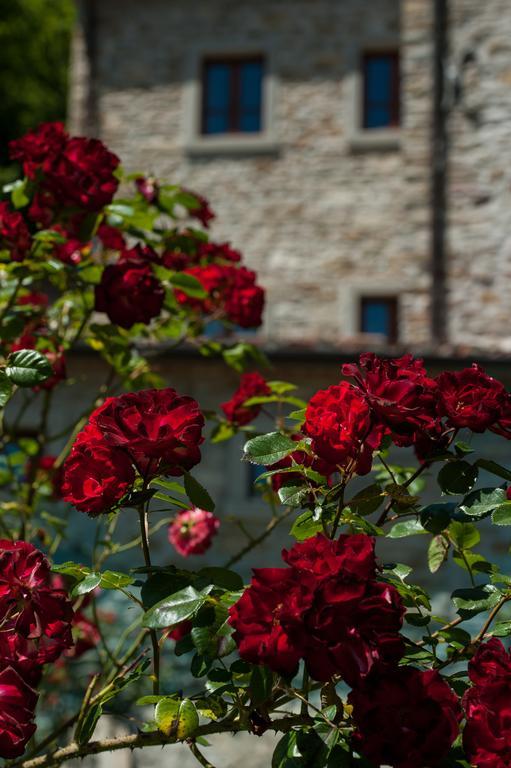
x: 404, y: 717
x: 192, y: 531
x: 148, y: 188
x: 244, y: 302
x: 96, y: 475
x: 160, y: 430
x: 180, y: 631
x: 29, y: 604
x: 14, y: 234
x: 129, y: 293
x: 251, y: 385
x: 42, y: 208
x: 503, y: 425
x: 401, y: 395
x: 470, y: 398
x: 327, y: 608
x: 38, y: 149
x: 217, y: 253
x: 339, y: 421
x: 17, y: 705
x: 491, y: 664
x: 36, y: 299
x: 201, y: 210
x: 72, y: 251
x: 111, y: 237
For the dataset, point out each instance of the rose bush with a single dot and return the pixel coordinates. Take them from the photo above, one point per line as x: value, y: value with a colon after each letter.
x: 337, y: 648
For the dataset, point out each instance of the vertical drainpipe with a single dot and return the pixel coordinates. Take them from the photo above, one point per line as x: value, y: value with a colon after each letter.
x: 439, y: 199
x: 89, y: 20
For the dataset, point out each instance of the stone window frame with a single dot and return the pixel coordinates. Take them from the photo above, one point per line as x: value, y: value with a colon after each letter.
x: 367, y: 139
x: 350, y: 296
x: 197, y: 143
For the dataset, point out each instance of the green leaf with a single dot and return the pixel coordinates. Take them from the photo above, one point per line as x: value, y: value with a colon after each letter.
x: 88, y: 584
x: 197, y: 494
x: 292, y: 495
x: 188, y: 284
x: 306, y: 526
x: 436, y: 517
x: 367, y: 501
x: 87, y: 725
x: 502, y: 515
x: 160, y: 585
x: 27, y: 368
x: 177, y: 719
x: 222, y: 431
x: 114, y: 580
x: 470, y: 602
x: 19, y: 197
x: 457, y: 477
x: 464, y: 535
x: 501, y: 629
x: 173, y: 609
x: 211, y: 707
x: 261, y: 682
x: 482, y: 502
x: 270, y: 448
x: 438, y: 551
x: 6, y: 389
x: 220, y: 577
x: 281, y: 387
x: 406, y: 528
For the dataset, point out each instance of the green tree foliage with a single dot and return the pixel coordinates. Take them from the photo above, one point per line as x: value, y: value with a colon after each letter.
x: 34, y: 52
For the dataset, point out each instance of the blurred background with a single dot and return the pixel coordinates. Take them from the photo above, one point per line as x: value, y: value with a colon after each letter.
x: 356, y: 152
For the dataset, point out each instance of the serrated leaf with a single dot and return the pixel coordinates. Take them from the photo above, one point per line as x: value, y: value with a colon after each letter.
x: 270, y: 448
x: 482, y: 502
x: 114, y: 580
x: 173, y: 609
x: 501, y: 629
x: 292, y: 495
x: 438, y: 551
x: 464, y: 535
x: 502, y: 515
x: 470, y: 602
x: 197, y: 494
x: 367, y: 501
x: 188, y: 284
x: 306, y: 526
x: 436, y: 517
x: 88, y: 584
x: 405, y: 528
x: 6, y: 389
x: 27, y: 368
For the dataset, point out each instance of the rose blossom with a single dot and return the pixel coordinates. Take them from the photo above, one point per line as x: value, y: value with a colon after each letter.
x: 201, y: 210
x: 251, y: 385
x: 339, y: 421
x: 129, y: 293
x: 17, y: 705
x: 487, y: 734
x: 96, y: 475
x: 14, y: 234
x: 192, y: 531
x: 401, y: 395
x: 470, y: 398
x: 327, y: 608
x: 160, y: 430
x: 404, y: 717
x: 27, y: 598
x: 38, y: 149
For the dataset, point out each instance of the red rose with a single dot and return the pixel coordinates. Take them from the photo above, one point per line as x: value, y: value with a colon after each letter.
x: 404, y: 717
x: 326, y: 608
x: 111, y: 237
x: 244, y: 302
x: 39, y: 149
x: 400, y: 394
x: 192, y: 531
x: 160, y: 430
x: 148, y: 188
x: 470, y: 398
x: 96, y: 475
x: 34, y: 299
x: 28, y: 600
x: 180, y: 631
x: 82, y: 174
x: 17, y: 705
x: 14, y: 234
x: 338, y: 420
x: 503, y: 425
x: 491, y: 664
x: 251, y: 385
x: 42, y: 208
x: 201, y: 211
x: 218, y: 253
x: 72, y: 251
x: 129, y: 293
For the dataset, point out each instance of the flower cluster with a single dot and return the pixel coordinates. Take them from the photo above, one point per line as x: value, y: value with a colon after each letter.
x: 36, y: 622
x: 396, y: 398
x: 232, y: 293
x: 404, y: 717
x: 145, y: 434
x: 251, y: 385
x: 327, y: 608
x: 192, y: 531
x: 487, y: 734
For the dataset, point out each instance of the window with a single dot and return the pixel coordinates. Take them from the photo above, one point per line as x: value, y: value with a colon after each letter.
x: 378, y: 314
x: 232, y: 91
x: 381, y: 90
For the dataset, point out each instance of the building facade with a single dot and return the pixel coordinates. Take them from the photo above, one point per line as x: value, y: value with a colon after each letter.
x: 356, y: 152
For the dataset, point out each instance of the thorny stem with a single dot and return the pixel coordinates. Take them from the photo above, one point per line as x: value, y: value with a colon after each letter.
x: 144, y: 534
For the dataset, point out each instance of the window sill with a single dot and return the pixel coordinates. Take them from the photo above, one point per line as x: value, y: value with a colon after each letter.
x: 377, y: 140
x: 232, y: 144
